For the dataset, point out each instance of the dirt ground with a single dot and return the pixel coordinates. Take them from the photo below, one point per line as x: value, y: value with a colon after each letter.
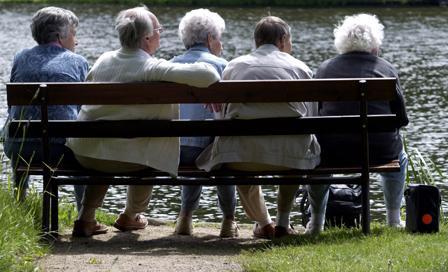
x: 156, y: 248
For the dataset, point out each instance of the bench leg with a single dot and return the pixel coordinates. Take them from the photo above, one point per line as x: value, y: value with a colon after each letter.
x: 54, y: 209
x: 46, y: 204
x: 365, y: 204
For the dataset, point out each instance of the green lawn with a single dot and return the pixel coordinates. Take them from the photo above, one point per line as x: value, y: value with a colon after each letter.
x: 346, y: 250
x: 19, y: 232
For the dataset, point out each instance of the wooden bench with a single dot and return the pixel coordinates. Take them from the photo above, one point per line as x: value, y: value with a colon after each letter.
x: 45, y: 94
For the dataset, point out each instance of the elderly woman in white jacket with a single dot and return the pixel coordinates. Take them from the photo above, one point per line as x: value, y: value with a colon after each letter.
x: 270, y: 60
x: 139, y: 34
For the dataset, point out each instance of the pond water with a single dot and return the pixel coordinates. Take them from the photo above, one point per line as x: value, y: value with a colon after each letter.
x: 415, y: 42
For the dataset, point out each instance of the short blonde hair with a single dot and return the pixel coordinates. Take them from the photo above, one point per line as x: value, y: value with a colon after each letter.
x: 197, y: 24
x: 360, y: 32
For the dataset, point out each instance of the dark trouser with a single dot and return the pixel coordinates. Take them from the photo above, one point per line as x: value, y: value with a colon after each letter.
x: 29, y: 152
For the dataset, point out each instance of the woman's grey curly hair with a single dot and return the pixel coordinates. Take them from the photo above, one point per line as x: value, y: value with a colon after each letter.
x: 132, y: 25
x: 51, y: 23
x: 197, y: 24
x: 360, y: 32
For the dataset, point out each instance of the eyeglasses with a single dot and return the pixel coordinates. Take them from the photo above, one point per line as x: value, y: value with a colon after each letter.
x: 159, y: 29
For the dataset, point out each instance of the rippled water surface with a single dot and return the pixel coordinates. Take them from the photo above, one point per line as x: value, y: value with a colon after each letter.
x: 415, y: 42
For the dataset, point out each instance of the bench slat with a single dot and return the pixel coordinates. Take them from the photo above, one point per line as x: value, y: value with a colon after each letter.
x: 263, y: 180
x: 234, y: 127
x: 98, y: 93
x: 77, y: 170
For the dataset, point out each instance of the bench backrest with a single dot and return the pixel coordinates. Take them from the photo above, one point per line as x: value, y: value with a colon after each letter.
x: 266, y: 91
x: 221, y: 92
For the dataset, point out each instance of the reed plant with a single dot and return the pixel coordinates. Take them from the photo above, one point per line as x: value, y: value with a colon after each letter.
x: 421, y: 168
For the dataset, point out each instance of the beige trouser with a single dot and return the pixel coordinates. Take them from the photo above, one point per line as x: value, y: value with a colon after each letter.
x: 252, y: 198
x: 138, y: 196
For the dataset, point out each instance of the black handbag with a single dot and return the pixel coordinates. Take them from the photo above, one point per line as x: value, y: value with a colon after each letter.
x: 344, y: 206
x: 422, y: 208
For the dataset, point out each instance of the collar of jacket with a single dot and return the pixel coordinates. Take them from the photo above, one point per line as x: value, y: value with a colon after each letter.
x: 267, y: 48
x: 134, y: 51
x: 358, y: 53
x: 199, y: 47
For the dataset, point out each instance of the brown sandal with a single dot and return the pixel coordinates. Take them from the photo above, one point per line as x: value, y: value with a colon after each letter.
x: 87, y: 229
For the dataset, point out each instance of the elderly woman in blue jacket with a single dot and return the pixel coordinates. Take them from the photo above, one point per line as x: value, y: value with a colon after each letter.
x: 200, y: 31
x: 52, y: 60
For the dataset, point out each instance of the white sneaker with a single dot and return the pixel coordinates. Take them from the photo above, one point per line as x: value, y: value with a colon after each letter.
x: 184, y: 226
x: 229, y: 229
x: 313, y: 229
x: 397, y: 225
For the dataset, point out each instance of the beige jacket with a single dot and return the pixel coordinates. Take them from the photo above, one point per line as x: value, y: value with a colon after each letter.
x: 292, y: 151
x: 126, y: 65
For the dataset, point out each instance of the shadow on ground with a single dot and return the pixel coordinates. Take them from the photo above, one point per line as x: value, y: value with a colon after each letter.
x: 156, y: 241
x: 156, y: 248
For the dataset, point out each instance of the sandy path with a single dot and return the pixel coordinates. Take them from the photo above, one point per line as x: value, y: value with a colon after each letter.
x: 153, y: 249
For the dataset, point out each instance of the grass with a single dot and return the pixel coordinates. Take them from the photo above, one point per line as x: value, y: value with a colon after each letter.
x: 19, y: 232
x: 20, y: 222
x: 349, y: 250
x: 335, y: 250
x: 68, y: 214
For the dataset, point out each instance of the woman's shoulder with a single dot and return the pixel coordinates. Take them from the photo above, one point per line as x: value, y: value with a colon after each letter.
x: 206, y: 56
x: 387, y: 65
x: 291, y: 62
x: 74, y: 56
x: 218, y: 62
x: 25, y: 53
x: 217, y: 59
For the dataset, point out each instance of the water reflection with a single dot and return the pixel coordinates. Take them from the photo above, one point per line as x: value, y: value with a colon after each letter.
x: 415, y: 42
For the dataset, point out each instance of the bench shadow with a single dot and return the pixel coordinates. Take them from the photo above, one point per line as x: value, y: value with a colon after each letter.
x: 144, y: 243
x: 152, y: 243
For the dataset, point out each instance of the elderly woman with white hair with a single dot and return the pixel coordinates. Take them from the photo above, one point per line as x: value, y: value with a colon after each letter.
x: 139, y: 33
x: 52, y: 60
x: 358, y: 39
x: 200, y: 31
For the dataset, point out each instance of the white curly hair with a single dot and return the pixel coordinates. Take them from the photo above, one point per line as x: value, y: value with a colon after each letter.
x: 197, y: 24
x: 360, y: 32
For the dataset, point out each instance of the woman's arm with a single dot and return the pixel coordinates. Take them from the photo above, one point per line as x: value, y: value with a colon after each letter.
x: 195, y: 74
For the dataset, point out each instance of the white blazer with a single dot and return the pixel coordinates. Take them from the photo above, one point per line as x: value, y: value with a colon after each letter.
x: 292, y: 151
x: 127, y: 65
